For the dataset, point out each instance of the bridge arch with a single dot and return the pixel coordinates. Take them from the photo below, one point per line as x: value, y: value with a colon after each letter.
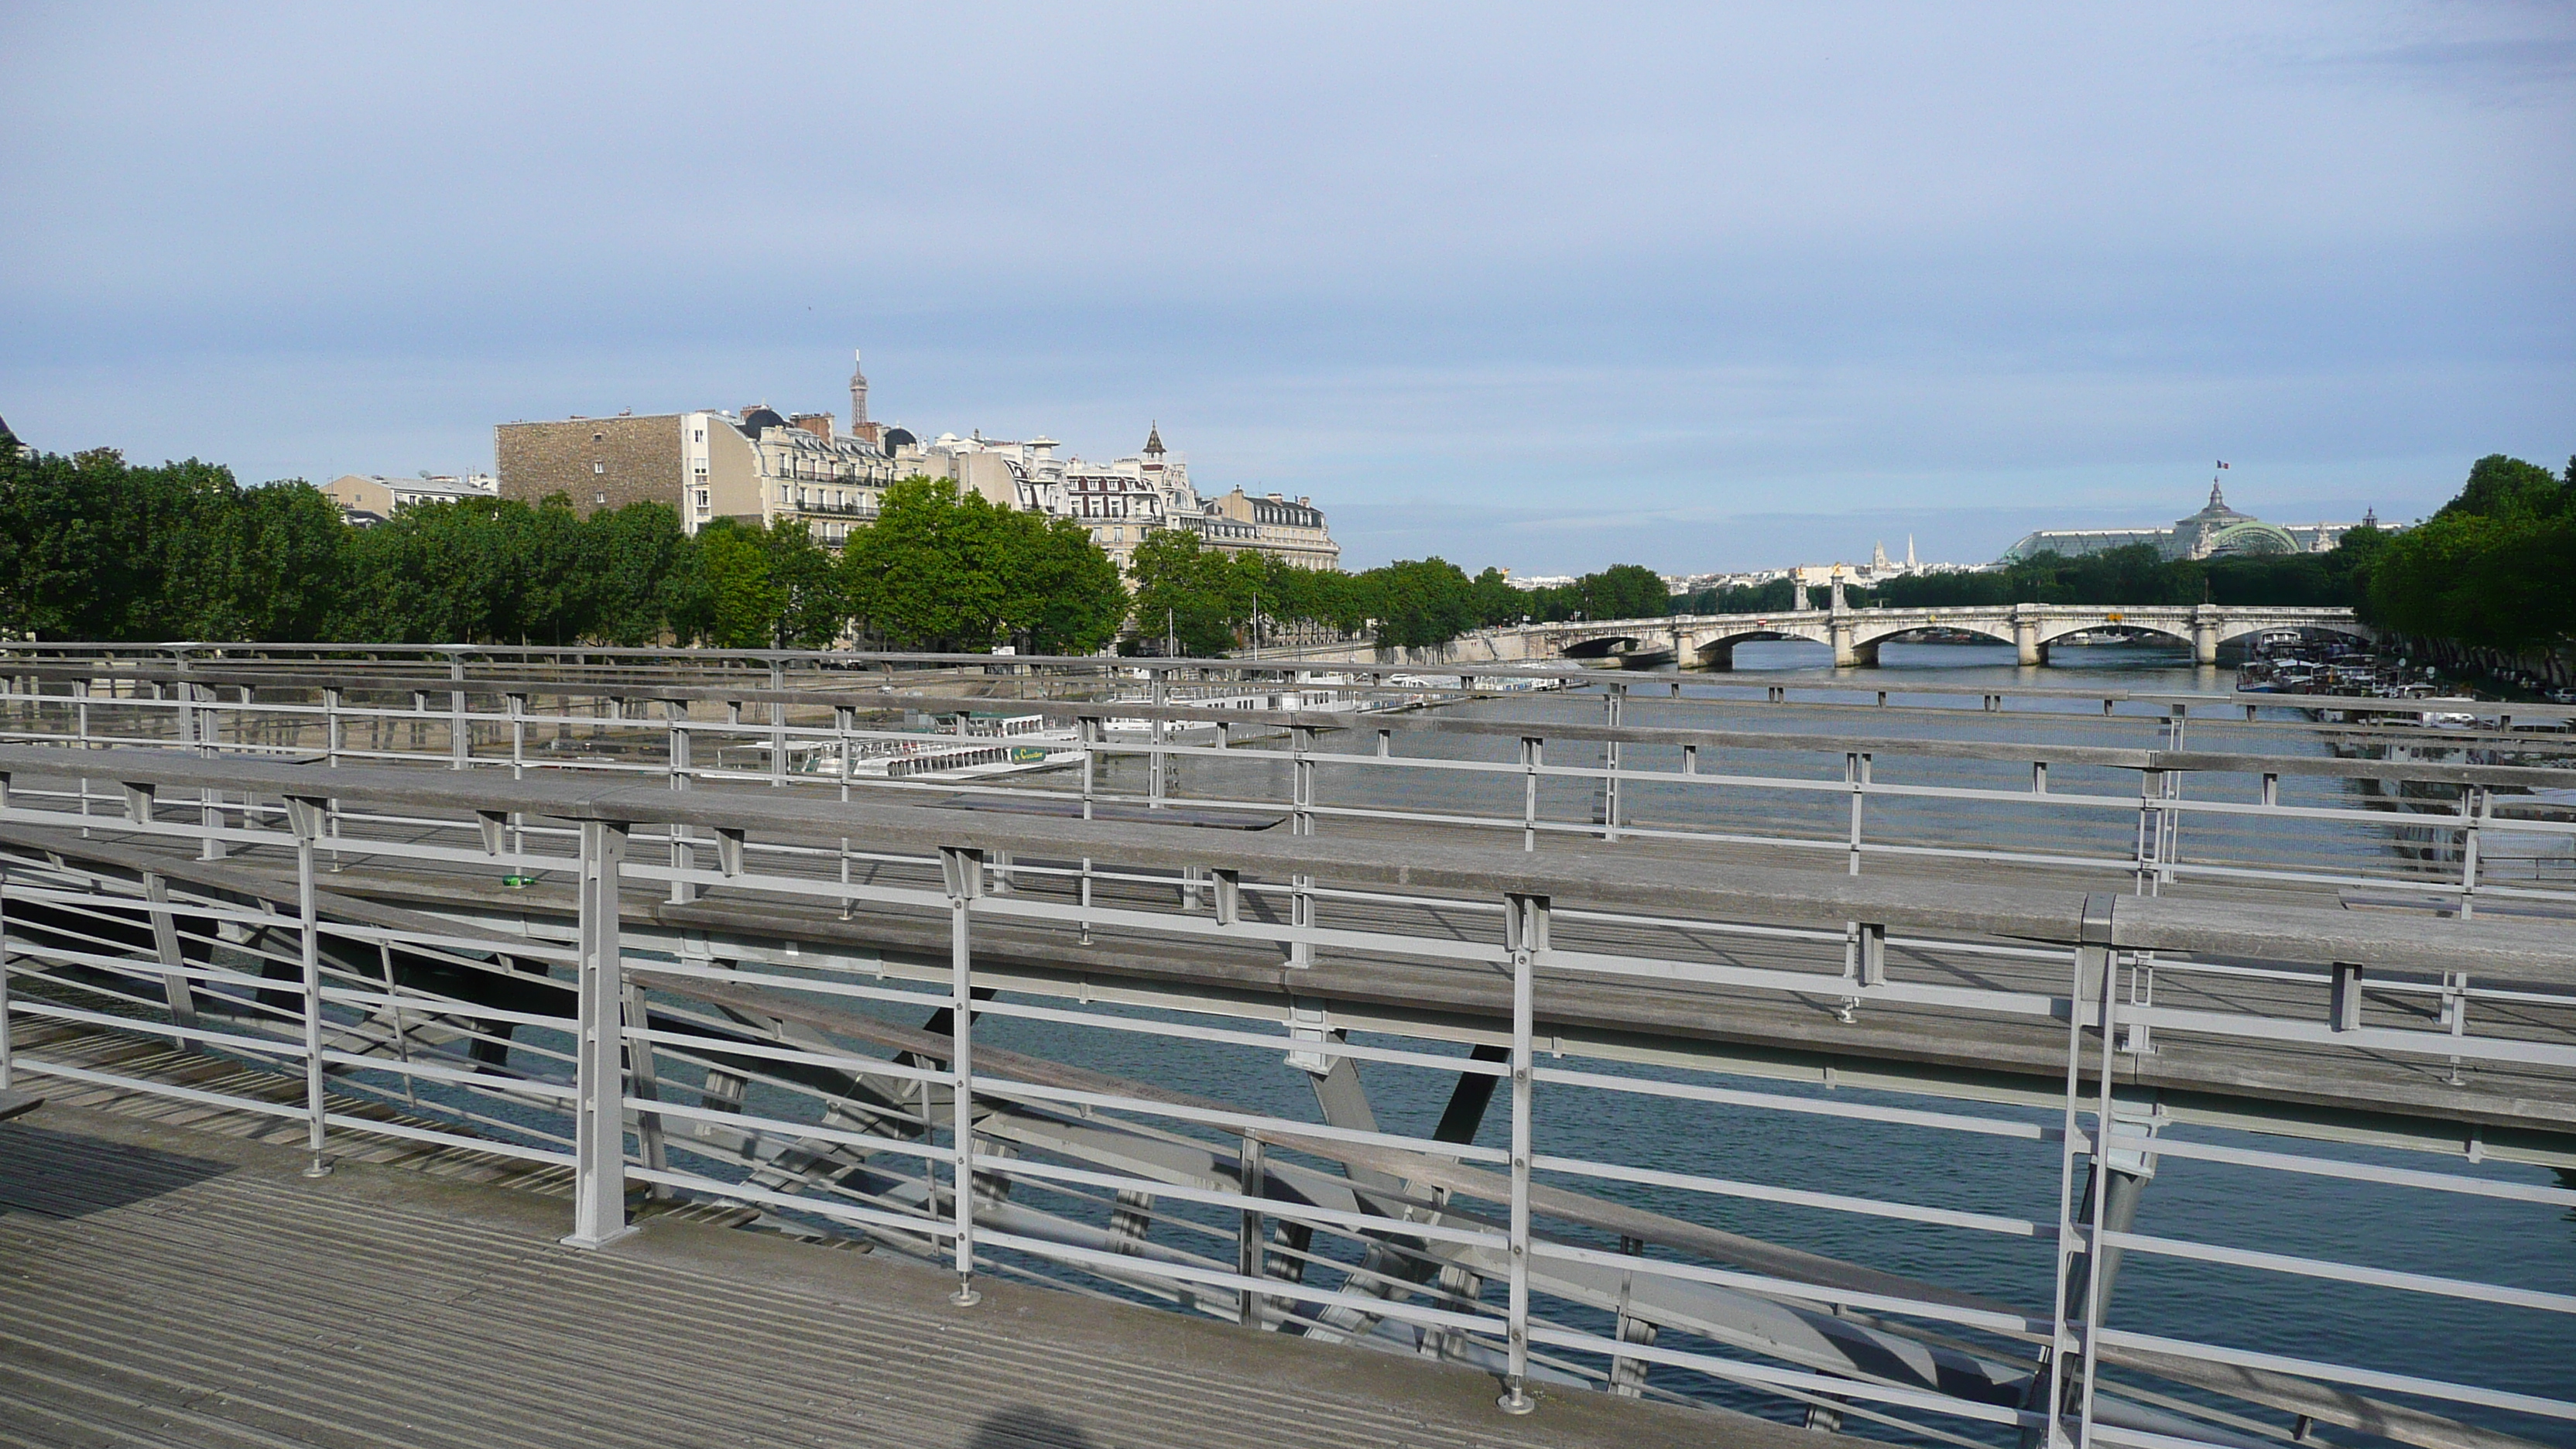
x: 1600, y: 646
x: 2180, y: 634
x: 2352, y: 629
x: 1715, y: 648
x: 1898, y: 630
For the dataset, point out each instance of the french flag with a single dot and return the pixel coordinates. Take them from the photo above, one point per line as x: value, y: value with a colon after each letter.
x: 2222, y: 465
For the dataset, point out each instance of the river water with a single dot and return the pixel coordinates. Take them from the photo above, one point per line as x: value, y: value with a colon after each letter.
x: 2413, y: 1230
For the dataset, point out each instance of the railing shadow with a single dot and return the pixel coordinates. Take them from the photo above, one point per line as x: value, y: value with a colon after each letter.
x: 1026, y: 1428
x: 67, y: 1175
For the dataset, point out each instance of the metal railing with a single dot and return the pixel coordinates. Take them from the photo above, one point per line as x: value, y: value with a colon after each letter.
x: 2418, y: 813
x: 647, y: 1044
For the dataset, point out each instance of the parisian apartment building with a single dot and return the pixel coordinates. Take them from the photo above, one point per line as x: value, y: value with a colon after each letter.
x: 757, y: 465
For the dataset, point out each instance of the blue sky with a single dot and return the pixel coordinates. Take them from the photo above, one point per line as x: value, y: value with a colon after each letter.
x: 1545, y: 287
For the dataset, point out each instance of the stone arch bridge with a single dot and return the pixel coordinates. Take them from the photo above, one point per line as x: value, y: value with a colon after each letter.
x: 1708, y: 641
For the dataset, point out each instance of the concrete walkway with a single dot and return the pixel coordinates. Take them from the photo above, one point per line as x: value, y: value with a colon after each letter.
x: 166, y: 1287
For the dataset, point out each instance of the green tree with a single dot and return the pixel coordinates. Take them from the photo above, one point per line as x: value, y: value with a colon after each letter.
x: 641, y: 567
x: 1064, y: 596
x: 945, y: 570
x: 917, y: 578
x: 742, y: 603
x: 1188, y: 592
x: 1423, y: 602
x: 1625, y: 591
x: 283, y: 564
x: 101, y: 549
x: 1497, y: 602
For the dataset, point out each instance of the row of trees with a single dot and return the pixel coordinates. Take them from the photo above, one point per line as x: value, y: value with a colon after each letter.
x: 1204, y: 601
x: 92, y: 547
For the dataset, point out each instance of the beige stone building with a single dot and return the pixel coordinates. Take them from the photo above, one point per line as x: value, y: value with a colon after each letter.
x: 1294, y: 531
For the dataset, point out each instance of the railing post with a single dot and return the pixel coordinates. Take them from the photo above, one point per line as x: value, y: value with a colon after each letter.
x: 1156, y: 784
x: 1856, y: 774
x: 1301, y: 952
x: 2088, y: 998
x: 964, y: 872
x: 845, y: 720
x: 675, y: 712
x: 1525, y: 918
x: 1533, y: 750
x: 460, y: 732
x: 1617, y: 697
x: 599, y: 1105
x: 777, y: 722
x: 2107, y: 1025
x: 1091, y: 730
x: 304, y: 817
x: 8, y: 1063
x: 2473, y: 812
x: 1251, y: 1237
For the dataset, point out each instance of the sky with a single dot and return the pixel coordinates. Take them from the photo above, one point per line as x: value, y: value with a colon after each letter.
x: 1699, y: 287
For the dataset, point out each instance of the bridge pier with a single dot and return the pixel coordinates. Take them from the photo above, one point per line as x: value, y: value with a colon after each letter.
x: 2204, y: 637
x: 2028, y: 652
x: 1851, y: 655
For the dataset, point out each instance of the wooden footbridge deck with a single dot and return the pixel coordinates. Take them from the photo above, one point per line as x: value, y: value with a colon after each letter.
x: 173, y: 1288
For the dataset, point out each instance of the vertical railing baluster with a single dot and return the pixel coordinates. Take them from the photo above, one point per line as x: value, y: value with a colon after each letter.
x: 1616, y: 697
x: 1252, y: 1235
x: 777, y: 722
x: 845, y: 720
x: 1301, y: 952
x: 304, y: 818
x: 1856, y: 774
x: 8, y: 1058
x: 599, y: 1102
x: 964, y: 873
x: 2107, y: 1025
x: 460, y: 730
x: 1093, y: 731
x: 1532, y: 756
x: 2092, y: 973
x: 2473, y: 811
x: 1526, y: 919
x: 675, y: 715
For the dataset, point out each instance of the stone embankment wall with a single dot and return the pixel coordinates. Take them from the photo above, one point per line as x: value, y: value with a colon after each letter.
x: 1477, y: 648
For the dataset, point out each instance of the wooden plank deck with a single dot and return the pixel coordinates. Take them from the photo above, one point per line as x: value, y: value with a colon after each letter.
x: 169, y: 1287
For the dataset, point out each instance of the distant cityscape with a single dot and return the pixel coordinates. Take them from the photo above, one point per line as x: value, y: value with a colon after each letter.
x: 758, y: 465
